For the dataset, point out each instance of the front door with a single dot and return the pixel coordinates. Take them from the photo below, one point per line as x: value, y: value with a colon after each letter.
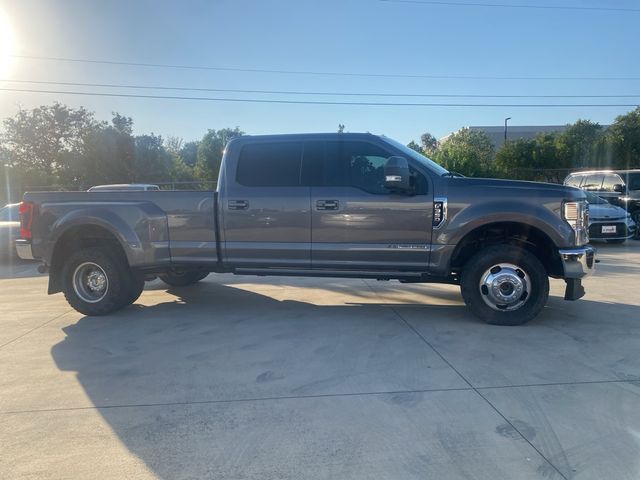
x: 266, y: 210
x: 356, y: 223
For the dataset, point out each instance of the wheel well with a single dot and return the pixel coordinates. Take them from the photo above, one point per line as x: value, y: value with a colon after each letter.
x: 509, y: 233
x: 77, y: 238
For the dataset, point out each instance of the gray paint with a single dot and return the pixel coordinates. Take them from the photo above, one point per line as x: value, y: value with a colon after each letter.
x: 281, y: 228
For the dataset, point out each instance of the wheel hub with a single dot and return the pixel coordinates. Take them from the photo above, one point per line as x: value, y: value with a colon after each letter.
x: 505, y: 287
x: 90, y: 282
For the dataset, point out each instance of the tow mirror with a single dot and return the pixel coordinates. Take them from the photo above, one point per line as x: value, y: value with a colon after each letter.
x: 396, y: 174
x: 618, y: 187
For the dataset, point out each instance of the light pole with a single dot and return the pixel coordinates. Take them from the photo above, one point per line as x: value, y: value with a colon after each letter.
x: 505, y: 128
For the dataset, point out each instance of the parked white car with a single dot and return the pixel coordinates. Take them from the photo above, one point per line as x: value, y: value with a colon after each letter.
x: 608, y: 222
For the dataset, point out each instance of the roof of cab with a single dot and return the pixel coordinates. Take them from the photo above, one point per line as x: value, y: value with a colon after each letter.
x: 303, y: 137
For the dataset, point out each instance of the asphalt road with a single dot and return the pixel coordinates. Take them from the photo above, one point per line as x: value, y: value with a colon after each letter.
x: 270, y: 378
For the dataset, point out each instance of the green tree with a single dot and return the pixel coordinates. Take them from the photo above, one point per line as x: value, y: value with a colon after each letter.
x: 109, y: 153
x: 153, y: 163
x: 623, y: 138
x: 515, y: 158
x: 414, y: 146
x: 578, y: 144
x: 429, y: 144
x: 469, y: 152
x: 210, y: 152
x: 189, y: 153
x: 46, y: 139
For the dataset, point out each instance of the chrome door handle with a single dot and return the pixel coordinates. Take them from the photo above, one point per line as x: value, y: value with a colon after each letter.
x: 238, y: 204
x: 327, y: 204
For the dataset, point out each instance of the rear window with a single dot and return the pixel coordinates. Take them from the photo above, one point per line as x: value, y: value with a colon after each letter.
x: 270, y: 165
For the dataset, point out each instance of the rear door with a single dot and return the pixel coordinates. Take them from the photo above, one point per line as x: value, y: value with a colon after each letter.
x: 266, y: 210
x: 357, y: 224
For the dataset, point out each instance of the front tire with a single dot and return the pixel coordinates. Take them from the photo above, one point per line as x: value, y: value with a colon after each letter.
x: 96, y: 281
x: 505, y: 285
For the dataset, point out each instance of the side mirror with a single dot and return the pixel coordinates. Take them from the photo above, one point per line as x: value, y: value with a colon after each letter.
x: 618, y: 187
x: 396, y: 174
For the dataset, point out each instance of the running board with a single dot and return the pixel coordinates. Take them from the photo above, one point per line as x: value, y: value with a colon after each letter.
x: 295, y: 272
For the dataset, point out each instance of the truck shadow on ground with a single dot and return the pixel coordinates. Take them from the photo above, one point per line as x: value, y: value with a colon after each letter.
x: 171, y: 377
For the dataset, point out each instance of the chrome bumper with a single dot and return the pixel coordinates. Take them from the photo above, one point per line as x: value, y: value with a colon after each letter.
x: 23, y: 248
x: 578, y: 262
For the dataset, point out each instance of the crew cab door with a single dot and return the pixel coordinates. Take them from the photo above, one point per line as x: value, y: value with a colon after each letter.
x: 265, y: 208
x: 356, y: 223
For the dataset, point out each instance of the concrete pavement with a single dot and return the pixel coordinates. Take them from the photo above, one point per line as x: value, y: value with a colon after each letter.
x: 245, y: 377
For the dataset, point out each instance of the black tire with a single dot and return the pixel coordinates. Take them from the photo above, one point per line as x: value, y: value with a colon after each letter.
x: 636, y: 218
x: 114, y: 269
x: 136, y: 286
x: 617, y: 240
x: 182, y: 278
x: 532, y: 277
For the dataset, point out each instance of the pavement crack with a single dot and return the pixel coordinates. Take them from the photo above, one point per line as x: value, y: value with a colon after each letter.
x: 34, y: 329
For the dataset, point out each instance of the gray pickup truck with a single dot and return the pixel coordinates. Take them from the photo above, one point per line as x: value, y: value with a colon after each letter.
x: 321, y: 205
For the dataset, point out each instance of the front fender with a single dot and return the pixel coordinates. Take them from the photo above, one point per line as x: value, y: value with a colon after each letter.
x: 464, y: 218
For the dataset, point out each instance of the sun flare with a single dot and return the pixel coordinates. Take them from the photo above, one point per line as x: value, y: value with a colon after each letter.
x: 7, y: 45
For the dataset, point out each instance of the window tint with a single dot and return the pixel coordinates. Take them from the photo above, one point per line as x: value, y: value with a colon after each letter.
x: 610, y: 180
x: 270, y: 165
x: 634, y: 181
x: 574, y: 180
x: 355, y: 164
x: 592, y: 182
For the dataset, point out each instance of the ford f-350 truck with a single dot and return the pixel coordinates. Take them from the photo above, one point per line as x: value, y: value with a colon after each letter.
x: 322, y: 205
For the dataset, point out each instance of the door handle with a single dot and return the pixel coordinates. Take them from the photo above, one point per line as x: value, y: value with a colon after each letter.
x: 238, y: 204
x: 327, y: 204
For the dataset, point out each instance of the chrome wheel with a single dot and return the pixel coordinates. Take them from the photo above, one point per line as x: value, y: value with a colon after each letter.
x: 505, y: 287
x: 90, y: 282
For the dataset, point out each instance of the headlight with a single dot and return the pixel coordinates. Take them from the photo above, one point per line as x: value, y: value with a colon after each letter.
x: 576, y: 214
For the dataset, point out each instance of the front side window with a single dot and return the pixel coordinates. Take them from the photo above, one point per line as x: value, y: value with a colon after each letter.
x: 270, y: 165
x: 609, y: 181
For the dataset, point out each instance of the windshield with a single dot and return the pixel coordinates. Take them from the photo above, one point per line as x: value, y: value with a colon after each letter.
x: 594, y: 199
x: 427, y: 162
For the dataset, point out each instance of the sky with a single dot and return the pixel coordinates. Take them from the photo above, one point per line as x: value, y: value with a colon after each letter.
x: 392, y: 47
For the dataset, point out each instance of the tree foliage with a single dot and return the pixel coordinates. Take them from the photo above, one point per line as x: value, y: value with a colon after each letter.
x: 469, y: 152
x: 210, y: 152
x: 623, y: 138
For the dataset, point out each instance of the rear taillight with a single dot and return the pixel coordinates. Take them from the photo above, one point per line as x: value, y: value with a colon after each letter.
x: 25, y: 209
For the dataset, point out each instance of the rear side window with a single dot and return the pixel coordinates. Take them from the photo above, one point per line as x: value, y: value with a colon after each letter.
x: 270, y: 165
x: 574, y: 180
x: 593, y: 182
x: 610, y: 180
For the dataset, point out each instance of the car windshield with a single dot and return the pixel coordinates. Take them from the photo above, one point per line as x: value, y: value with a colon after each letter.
x: 593, y: 199
x: 427, y: 162
x: 9, y: 213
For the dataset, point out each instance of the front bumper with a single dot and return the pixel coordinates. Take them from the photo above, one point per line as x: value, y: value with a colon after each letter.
x: 23, y: 247
x: 578, y: 262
